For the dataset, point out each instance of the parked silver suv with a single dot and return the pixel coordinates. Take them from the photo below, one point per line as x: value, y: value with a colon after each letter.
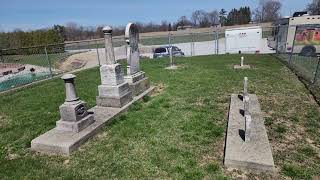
x: 165, y: 52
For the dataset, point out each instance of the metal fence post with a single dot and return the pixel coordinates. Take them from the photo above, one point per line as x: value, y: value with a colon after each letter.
x: 1, y: 56
x: 277, y: 36
x: 171, y: 58
x: 191, y: 36
x: 293, y: 44
x: 317, y: 72
x: 98, y: 57
x: 48, y: 60
x: 170, y: 49
x: 193, y: 40
x: 217, y: 42
x: 169, y: 39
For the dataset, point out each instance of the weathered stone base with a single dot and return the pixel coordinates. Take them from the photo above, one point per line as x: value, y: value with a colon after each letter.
x: 242, y: 67
x: 64, y: 143
x: 114, y: 101
x: 117, y: 90
x: 75, y: 126
x: 173, y: 67
x: 135, y: 77
x: 255, y: 154
x: 139, y: 86
x: 138, y: 83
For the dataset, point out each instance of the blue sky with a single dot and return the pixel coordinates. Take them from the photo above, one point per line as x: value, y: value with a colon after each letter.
x: 34, y: 14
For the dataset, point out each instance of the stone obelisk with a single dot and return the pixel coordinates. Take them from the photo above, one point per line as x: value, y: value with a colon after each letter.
x: 113, y: 91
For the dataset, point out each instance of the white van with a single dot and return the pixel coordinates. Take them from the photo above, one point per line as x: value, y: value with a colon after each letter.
x: 244, y: 40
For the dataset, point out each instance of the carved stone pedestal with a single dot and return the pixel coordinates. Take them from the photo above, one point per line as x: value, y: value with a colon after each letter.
x: 74, y: 117
x: 114, y: 91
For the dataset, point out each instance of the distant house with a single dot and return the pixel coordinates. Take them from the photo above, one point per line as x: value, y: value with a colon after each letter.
x: 216, y: 26
x: 180, y: 28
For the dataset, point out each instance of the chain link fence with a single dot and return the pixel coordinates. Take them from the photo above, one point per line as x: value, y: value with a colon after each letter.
x: 23, y: 66
x: 299, y: 48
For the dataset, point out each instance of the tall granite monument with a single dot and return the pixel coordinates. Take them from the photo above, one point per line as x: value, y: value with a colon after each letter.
x: 138, y: 82
x: 113, y: 91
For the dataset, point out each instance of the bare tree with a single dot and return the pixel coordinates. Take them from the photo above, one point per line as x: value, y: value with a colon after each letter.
x: 72, y: 31
x: 200, y: 18
x: 183, y: 21
x: 163, y: 26
x: 213, y: 17
x: 195, y: 17
x: 268, y: 11
x: 314, y: 7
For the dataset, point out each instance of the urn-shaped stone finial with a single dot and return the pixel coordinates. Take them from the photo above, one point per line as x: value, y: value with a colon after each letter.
x: 71, y: 94
x: 107, y: 29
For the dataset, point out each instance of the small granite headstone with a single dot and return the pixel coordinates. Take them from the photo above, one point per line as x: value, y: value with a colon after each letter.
x: 74, y: 114
x: 248, y: 120
x: 242, y: 65
x: 246, y: 101
x: 242, y: 59
x: 245, y: 86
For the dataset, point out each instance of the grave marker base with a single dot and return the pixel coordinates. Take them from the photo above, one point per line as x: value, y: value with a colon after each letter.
x: 173, y: 67
x: 242, y: 67
x: 255, y: 154
x: 64, y: 143
x: 114, y: 101
x: 75, y: 126
x: 138, y: 83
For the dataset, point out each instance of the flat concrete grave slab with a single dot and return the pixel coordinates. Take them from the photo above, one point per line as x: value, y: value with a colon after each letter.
x: 252, y: 155
x: 241, y: 67
x: 173, y: 67
x: 64, y: 143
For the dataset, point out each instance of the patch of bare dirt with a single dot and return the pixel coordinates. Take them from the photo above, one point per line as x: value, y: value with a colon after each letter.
x: 12, y: 156
x: 3, y: 120
x: 76, y: 61
x: 159, y: 89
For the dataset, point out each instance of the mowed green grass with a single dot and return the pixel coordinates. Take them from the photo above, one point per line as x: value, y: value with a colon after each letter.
x: 306, y: 68
x: 176, y: 133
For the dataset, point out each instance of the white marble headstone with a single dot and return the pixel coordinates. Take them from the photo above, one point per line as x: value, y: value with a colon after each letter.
x: 132, y: 38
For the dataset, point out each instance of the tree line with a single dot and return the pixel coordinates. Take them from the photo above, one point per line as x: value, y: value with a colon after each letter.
x: 19, y: 38
x: 314, y: 7
x: 266, y: 11
x: 75, y: 32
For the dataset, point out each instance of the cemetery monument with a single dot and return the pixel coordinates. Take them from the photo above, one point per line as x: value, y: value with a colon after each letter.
x: 74, y: 112
x: 138, y: 82
x: 77, y: 123
x: 247, y: 146
x: 113, y: 91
